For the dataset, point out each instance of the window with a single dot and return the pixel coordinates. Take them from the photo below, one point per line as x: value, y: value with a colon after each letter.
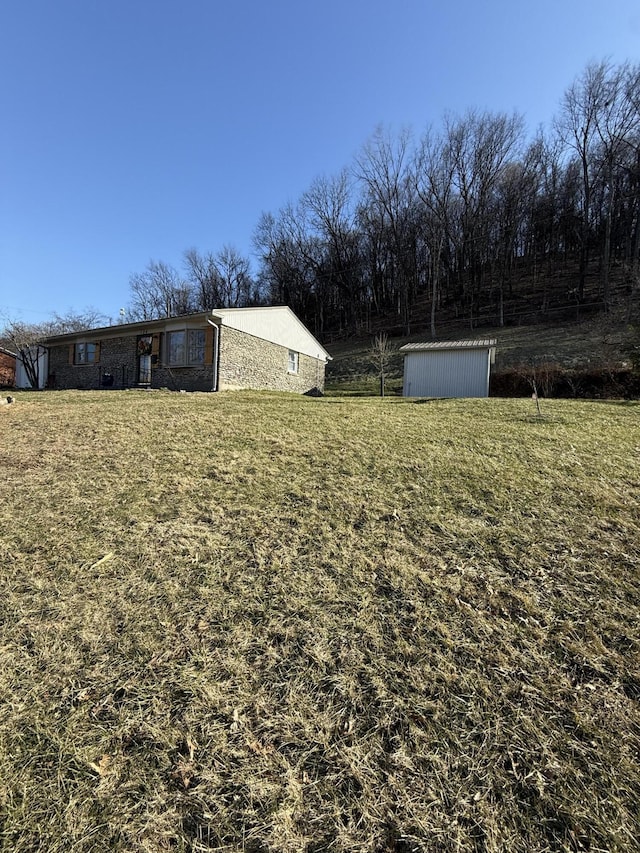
x: 293, y: 361
x: 186, y: 348
x: 86, y: 353
x: 175, y: 347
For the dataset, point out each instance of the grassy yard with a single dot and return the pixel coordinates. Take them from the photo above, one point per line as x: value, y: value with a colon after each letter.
x: 275, y: 624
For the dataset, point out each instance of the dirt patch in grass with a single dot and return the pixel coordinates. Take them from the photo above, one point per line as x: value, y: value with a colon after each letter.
x: 268, y: 623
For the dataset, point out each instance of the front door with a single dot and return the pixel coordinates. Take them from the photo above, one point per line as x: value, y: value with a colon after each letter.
x: 144, y: 359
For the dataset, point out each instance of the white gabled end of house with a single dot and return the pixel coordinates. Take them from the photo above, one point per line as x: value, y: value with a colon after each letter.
x: 277, y: 324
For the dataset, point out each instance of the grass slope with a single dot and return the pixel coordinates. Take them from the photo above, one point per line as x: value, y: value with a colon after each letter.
x: 268, y: 623
x: 597, y: 342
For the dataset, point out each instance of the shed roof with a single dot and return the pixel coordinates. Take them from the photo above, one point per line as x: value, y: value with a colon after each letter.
x: 484, y: 343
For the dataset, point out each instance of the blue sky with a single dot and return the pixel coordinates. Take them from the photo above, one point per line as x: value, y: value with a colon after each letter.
x: 131, y: 130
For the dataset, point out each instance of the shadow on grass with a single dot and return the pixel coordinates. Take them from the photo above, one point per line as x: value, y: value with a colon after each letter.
x: 631, y: 404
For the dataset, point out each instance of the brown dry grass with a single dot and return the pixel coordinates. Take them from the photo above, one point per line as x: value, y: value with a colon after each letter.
x: 267, y: 623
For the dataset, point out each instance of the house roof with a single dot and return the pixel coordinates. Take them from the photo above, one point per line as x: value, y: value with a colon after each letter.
x: 277, y: 324
x: 484, y: 343
x: 120, y: 329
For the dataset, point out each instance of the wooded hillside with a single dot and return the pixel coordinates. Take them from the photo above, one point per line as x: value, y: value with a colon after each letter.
x: 471, y: 220
x: 474, y: 220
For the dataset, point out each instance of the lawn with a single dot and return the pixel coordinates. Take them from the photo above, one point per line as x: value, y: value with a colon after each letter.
x: 268, y: 623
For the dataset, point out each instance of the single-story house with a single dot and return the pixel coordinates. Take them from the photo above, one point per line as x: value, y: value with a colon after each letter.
x: 7, y: 368
x: 448, y: 368
x: 215, y: 350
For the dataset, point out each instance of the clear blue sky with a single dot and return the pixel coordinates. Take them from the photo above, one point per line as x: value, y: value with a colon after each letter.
x: 132, y: 130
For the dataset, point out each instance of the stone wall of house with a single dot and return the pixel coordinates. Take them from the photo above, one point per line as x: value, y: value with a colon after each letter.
x: 250, y: 362
x: 183, y: 378
x: 245, y: 362
x: 118, y: 368
x: 117, y: 360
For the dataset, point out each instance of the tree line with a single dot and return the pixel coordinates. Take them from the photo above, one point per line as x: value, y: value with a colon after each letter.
x: 448, y: 221
x: 211, y: 280
x: 451, y: 218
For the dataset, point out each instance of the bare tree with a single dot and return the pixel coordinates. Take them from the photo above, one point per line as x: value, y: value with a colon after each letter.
x: 204, y: 277
x: 618, y: 125
x: 577, y: 126
x: 480, y: 144
x: 541, y: 375
x: 512, y: 203
x: 543, y: 240
x: 234, y: 272
x: 77, y: 321
x: 600, y: 122
x: 434, y: 171
x: 458, y: 218
x: 380, y: 353
x: 26, y: 339
x: 292, y: 261
x: 159, y: 292
x: 384, y: 168
x: 329, y: 208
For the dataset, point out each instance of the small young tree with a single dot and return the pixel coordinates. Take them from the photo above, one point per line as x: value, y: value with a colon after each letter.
x: 541, y: 376
x: 380, y: 353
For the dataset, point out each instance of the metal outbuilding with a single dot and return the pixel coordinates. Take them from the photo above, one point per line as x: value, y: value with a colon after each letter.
x: 448, y: 368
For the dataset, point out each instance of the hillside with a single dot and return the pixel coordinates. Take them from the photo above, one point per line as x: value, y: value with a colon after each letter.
x: 565, y: 336
x: 269, y: 623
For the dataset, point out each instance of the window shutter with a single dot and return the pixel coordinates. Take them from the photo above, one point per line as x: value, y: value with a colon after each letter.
x: 155, y: 348
x: 97, y: 353
x: 72, y: 350
x: 208, y: 345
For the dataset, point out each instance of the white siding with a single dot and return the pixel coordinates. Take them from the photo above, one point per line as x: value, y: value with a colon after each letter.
x: 22, y: 380
x: 447, y: 373
x: 278, y: 325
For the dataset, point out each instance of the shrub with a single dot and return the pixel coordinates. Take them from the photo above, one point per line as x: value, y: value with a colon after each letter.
x: 553, y: 380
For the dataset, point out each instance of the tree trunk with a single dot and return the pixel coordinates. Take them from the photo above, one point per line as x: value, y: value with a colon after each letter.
x: 435, y: 273
x: 606, y: 255
x: 31, y: 367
